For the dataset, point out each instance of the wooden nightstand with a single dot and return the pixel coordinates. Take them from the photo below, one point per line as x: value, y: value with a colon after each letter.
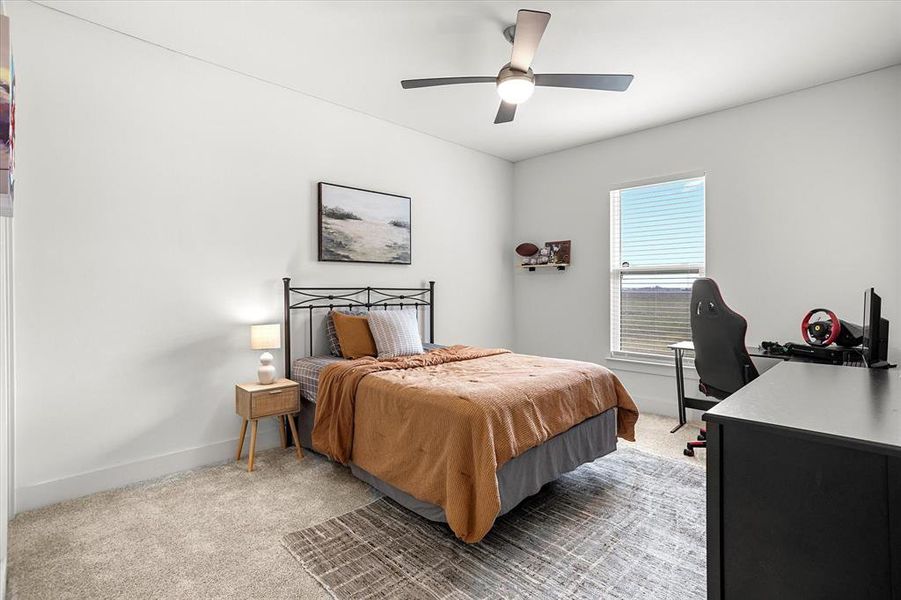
x: 254, y: 401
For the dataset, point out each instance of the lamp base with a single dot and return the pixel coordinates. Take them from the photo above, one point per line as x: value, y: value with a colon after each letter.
x: 266, y: 372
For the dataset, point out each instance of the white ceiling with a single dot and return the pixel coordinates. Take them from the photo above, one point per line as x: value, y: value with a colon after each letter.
x: 688, y: 58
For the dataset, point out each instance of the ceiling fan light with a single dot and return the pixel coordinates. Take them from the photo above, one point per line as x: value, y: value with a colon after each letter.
x: 515, y: 90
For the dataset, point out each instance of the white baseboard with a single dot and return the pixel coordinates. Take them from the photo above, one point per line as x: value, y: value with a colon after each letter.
x: 665, y: 406
x: 50, y: 492
x: 657, y: 406
x: 3, y: 578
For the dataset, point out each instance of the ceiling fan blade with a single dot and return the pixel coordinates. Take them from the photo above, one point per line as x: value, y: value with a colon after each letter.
x: 530, y: 26
x: 505, y: 113
x: 408, y: 84
x: 611, y: 83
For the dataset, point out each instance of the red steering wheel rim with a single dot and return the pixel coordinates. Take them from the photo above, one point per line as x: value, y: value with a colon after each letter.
x: 833, y: 335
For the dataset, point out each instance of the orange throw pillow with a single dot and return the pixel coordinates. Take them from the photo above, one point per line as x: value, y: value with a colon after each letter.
x: 354, y: 336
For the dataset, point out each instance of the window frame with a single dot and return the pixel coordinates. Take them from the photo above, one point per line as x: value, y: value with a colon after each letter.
x: 617, y: 270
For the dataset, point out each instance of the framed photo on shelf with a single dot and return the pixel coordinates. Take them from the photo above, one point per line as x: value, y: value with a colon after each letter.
x: 560, y: 252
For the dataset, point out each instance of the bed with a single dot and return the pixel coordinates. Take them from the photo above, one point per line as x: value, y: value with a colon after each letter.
x: 521, y: 474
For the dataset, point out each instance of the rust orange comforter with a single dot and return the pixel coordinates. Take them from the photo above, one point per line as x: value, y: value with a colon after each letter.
x: 439, y: 425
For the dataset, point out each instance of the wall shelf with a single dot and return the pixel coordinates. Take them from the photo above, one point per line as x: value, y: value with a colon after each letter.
x: 558, y: 266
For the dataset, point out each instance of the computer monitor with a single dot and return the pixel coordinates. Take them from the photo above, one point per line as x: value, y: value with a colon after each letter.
x: 875, y: 330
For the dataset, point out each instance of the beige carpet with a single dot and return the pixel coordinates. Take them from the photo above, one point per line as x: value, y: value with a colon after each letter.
x: 209, y: 533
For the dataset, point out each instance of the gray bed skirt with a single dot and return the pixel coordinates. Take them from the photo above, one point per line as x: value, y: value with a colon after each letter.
x: 521, y: 477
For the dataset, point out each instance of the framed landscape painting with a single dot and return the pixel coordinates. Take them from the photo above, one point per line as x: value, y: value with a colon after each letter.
x: 363, y: 226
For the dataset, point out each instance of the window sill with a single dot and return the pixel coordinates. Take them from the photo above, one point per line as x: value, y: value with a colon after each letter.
x: 662, y: 368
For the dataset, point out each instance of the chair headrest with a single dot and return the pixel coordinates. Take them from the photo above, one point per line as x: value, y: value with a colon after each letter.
x: 706, y: 299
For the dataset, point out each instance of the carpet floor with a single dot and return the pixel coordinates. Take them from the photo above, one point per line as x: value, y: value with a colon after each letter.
x: 214, y: 532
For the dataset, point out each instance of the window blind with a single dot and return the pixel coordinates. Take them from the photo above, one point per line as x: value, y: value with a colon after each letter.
x: 657, y: 251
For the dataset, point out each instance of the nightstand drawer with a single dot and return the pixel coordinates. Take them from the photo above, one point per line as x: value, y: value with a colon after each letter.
x: 274, y: 402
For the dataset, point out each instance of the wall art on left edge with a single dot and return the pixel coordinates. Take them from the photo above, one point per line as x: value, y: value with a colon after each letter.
x: 7, y: 120
x: 363, y: 226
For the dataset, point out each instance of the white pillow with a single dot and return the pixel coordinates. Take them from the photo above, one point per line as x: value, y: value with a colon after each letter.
x: 396, y: 332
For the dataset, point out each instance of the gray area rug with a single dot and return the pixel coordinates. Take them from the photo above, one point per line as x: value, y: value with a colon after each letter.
x: 628, y: 526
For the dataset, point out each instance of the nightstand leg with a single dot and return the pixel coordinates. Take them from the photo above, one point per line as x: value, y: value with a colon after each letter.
x: 253, y: 445
x: 297, y: 447
x: 281, y: 431
x: 241, y: 439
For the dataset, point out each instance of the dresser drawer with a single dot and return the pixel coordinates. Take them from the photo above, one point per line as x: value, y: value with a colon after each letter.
x: 274, y: 402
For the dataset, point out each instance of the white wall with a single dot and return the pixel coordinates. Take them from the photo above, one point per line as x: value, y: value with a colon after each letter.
x: 7, y: 388
x: 159, y: 202
x: 803, y: 196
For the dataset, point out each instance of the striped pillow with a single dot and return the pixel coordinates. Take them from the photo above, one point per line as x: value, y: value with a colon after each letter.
x: 334, y: 346
x: 396, y: 332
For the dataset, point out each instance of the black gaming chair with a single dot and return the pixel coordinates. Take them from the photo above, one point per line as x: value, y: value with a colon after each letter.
x: 721, y: 358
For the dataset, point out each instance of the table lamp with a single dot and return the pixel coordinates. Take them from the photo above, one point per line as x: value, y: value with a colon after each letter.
x: 266, y: 337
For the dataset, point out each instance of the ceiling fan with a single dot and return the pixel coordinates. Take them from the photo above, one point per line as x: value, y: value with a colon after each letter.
x: 516, y: 81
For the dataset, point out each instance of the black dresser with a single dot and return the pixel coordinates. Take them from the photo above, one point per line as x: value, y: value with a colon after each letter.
x: 804, y: 486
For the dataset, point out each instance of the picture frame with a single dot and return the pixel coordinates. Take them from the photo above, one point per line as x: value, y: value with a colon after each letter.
x: 364, y: 226
x: 560, y: 252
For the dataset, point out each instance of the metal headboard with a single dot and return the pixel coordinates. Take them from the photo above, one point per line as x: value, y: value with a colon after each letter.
x: 329, y: 298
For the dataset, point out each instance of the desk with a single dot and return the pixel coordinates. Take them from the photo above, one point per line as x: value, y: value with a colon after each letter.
x: 684, y: 401
x: 804, y: 486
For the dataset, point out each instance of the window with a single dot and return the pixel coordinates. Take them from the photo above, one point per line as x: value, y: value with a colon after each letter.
x: 656, y: 252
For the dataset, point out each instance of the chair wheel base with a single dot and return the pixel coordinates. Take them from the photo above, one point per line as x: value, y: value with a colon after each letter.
x: 688, y: 452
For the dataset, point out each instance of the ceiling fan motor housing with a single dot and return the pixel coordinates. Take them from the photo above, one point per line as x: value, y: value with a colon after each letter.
x: 508, y: 72
x: 515, y: 86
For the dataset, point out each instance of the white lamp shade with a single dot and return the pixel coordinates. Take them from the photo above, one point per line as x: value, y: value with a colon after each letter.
x: 265, y: 337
